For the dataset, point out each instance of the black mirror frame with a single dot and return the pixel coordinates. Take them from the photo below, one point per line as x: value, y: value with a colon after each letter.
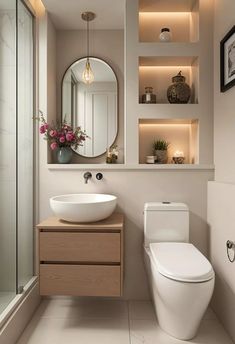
x: 61, y: 95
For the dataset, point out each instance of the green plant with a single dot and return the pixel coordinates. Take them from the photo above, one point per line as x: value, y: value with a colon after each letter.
x: 161, y: 145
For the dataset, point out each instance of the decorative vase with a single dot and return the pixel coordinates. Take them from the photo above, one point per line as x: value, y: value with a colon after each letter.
x: 64, y: 155
x: 161, y: 156
x: 165, y: 35
x: 179, y: 92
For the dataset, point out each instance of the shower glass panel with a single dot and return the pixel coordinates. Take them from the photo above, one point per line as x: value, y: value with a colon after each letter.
x: 16, y: 149
x: 7, y: 152
x: 25, y: 145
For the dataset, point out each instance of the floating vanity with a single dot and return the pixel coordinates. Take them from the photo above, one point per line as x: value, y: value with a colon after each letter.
x: 81, y: 259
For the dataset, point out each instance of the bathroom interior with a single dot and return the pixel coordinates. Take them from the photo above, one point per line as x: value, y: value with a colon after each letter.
x: 117, y: 163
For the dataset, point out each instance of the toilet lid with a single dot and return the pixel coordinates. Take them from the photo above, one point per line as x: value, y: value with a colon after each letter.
x: 181, y: 262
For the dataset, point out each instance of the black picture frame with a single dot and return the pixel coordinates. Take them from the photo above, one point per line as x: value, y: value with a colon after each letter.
x: 227, y: 65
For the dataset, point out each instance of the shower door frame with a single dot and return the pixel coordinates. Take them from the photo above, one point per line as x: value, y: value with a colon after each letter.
x: 21, y: 293
x: 29, y: 8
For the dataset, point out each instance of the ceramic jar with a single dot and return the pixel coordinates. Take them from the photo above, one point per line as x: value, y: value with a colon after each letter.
x: 165, y: 35
x: 179, y: 92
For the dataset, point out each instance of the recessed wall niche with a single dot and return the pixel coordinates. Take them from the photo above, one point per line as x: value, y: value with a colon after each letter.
x: 182, y: 134
x: 181, y: 16
x: 157, y: 72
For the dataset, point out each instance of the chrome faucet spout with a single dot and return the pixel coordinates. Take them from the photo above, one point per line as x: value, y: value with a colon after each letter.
x: 87, y: 176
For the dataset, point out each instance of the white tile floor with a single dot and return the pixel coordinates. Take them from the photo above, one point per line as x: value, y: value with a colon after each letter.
x: 91, y: 321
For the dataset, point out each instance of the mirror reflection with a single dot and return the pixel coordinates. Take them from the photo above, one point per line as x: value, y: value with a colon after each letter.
x: 91, y: 106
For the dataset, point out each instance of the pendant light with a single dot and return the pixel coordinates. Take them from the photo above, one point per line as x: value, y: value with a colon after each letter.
x: 87, y: 75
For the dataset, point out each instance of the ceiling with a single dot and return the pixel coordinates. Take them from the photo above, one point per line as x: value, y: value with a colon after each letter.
x: 66, y: 14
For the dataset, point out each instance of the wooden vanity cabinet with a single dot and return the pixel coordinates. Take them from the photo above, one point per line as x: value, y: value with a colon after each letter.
x: 81, y: 259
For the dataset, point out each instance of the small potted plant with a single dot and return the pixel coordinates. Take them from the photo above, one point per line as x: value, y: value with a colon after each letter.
x: 62, y: 137
x: 160, y: 147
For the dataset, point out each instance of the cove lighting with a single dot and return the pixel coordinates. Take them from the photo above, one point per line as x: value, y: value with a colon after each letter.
x: 178, y: 125
x: 164, y: 14
x: 165, y: 67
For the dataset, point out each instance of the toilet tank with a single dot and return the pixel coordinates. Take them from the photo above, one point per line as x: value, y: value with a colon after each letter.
x: 166, y: 222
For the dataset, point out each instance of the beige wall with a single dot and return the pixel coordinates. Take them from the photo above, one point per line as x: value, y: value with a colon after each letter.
x: 221, y: 193
x: 221, y: 217
x: 224, y: 127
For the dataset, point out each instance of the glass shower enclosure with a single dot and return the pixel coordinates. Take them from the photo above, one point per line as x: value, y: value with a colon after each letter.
x: 16, y: 148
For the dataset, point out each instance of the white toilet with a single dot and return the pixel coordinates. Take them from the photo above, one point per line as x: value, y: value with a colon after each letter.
x: 180, y: 277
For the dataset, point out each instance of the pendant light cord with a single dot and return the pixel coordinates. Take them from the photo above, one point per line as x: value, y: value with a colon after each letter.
x: 87, y: 75
x: 88, y: 41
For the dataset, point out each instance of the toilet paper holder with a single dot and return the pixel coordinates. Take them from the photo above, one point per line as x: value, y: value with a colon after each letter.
x: 230, y: 245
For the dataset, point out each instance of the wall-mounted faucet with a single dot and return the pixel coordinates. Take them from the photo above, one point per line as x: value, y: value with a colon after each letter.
x: 87, y: 176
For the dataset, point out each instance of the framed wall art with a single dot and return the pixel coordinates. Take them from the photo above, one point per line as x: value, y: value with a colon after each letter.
x: 227, y: 61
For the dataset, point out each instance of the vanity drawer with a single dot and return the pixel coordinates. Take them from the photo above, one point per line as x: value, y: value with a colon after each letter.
x: 80, y: 280
x: 80, y: 247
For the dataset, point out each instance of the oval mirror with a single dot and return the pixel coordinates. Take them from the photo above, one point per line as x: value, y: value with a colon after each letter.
x: 93, y: 106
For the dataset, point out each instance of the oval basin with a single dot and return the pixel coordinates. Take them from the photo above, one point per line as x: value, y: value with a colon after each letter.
x: 83, y: 207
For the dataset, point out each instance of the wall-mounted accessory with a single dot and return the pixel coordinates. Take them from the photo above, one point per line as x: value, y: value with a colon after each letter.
x: 165, y: 35
x: 61, y: 138
x: 160, y: 147
x: 96, y: 105
x: 178, y: 157
x: 99, y: 176
x: 112, y: 155
x: 150, y: 159
x: 227, y: 61
x: 179, y: 92
x: 88, y: 76
x: 230, y: 245
x: 149, y: 97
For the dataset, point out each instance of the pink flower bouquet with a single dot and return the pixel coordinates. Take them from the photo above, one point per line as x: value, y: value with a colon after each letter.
x: 61, y: 135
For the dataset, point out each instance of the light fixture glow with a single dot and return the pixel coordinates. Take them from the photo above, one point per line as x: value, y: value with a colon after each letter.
x: 88, y: 75
x: 178, y: 154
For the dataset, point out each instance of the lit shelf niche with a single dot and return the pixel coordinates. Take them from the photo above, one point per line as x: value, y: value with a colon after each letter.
x: 181, y: 16
x: 157, y: 72
x: 182, y: 134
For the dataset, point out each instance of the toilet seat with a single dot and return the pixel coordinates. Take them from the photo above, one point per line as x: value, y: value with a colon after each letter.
x: 181, y: 262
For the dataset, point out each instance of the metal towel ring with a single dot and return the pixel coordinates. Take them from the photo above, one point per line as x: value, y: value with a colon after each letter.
x: 230, y: 246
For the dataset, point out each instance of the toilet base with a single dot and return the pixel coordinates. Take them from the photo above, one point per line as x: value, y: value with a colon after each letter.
x: 179, y: 306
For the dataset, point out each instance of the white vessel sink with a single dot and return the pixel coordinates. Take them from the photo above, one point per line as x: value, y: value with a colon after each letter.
x: 83, y: 207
